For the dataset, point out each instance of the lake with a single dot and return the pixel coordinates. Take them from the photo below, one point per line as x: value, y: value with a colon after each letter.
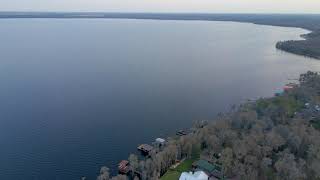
x: 77, y: 94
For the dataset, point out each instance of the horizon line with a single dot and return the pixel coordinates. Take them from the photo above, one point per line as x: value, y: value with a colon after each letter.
x: 162, y: 12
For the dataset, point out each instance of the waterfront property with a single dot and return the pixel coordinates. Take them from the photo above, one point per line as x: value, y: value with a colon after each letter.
x: 124, y: 167
x: 212, y: 170
x: 289, y: 86
x: 145, y: 149
x: 278, y: 93
x: 199, y: 175
x: 181, y: 133
x: 160, y: 141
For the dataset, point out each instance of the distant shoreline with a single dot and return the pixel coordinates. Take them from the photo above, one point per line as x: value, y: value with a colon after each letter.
x: 309, y: 47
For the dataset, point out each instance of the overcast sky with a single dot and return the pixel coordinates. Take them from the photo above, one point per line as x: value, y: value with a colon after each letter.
x: 213, y: 6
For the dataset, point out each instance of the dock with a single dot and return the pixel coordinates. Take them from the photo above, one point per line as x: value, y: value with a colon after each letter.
x: 181, y: 133
x: 145, y: 148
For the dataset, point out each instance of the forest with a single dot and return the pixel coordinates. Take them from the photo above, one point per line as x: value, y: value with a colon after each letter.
x: 270, y: 138
x: 309, y: 47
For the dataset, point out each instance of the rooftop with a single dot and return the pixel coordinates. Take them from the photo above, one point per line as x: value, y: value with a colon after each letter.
x: 145, y: 147
x: 160, y: 140
x: 199, y: 175
x: 204, y: 165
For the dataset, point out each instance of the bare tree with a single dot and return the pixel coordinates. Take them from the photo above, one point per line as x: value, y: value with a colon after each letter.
x: 287, y: 168
x: 134, y: 163
x: 104, y: 173
x: 227, y: 160
x: 119, y: 177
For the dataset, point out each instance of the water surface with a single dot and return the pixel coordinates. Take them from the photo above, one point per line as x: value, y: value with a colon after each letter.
x: 79, y: 94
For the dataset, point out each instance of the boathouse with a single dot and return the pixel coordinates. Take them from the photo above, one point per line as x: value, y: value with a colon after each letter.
x: 124, y: 167
x: 145, y: 149
x: 181, y: 133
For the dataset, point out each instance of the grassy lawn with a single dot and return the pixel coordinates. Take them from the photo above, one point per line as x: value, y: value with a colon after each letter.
x: 174, y: 174
x: 171, y: 175
x: 185, y: 166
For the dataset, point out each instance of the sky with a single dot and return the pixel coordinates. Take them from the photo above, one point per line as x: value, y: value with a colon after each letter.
x: 208, y: 6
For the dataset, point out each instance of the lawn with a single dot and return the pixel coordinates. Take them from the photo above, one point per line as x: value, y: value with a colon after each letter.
x: 185, y: 166
x: 171, y: 175
x: 174, y: 174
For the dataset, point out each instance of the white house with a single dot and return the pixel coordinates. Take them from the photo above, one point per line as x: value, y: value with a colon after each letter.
x: 199, y: 175
x: 160, y: 140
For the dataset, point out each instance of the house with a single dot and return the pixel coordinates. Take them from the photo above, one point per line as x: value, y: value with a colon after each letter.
x: 289, y: 86
x: 124, y: 167
x: 159, y: 143
x: 278, y: 93
x: 199, y: 175
x: 212, y: 170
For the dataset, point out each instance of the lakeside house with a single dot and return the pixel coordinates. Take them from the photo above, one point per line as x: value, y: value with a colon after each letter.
x: 279, y: 93
x: 289, y: 86
x: 159, y: 143
x: 124, y: 167
x: 199, y: 175
x: 212, y: 170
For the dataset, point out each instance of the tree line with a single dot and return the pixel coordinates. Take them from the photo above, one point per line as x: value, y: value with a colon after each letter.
x: 271, y: 138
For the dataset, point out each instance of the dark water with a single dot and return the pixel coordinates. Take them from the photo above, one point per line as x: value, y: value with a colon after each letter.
x: 79, y: 94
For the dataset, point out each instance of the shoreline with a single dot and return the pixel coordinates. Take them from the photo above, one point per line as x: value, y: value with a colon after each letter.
x: 253, y: 132
x: 209, y: 20
x: 309, y: 46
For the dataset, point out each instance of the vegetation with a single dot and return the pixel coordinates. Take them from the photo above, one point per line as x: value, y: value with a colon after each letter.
x: 309, y: 48
x: 174, y: 174
x: 272, y: 138
x: 185, y: 166
x: 171, y: 175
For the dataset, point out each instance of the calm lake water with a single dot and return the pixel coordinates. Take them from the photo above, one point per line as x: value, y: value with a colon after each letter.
x: 79, y: 94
